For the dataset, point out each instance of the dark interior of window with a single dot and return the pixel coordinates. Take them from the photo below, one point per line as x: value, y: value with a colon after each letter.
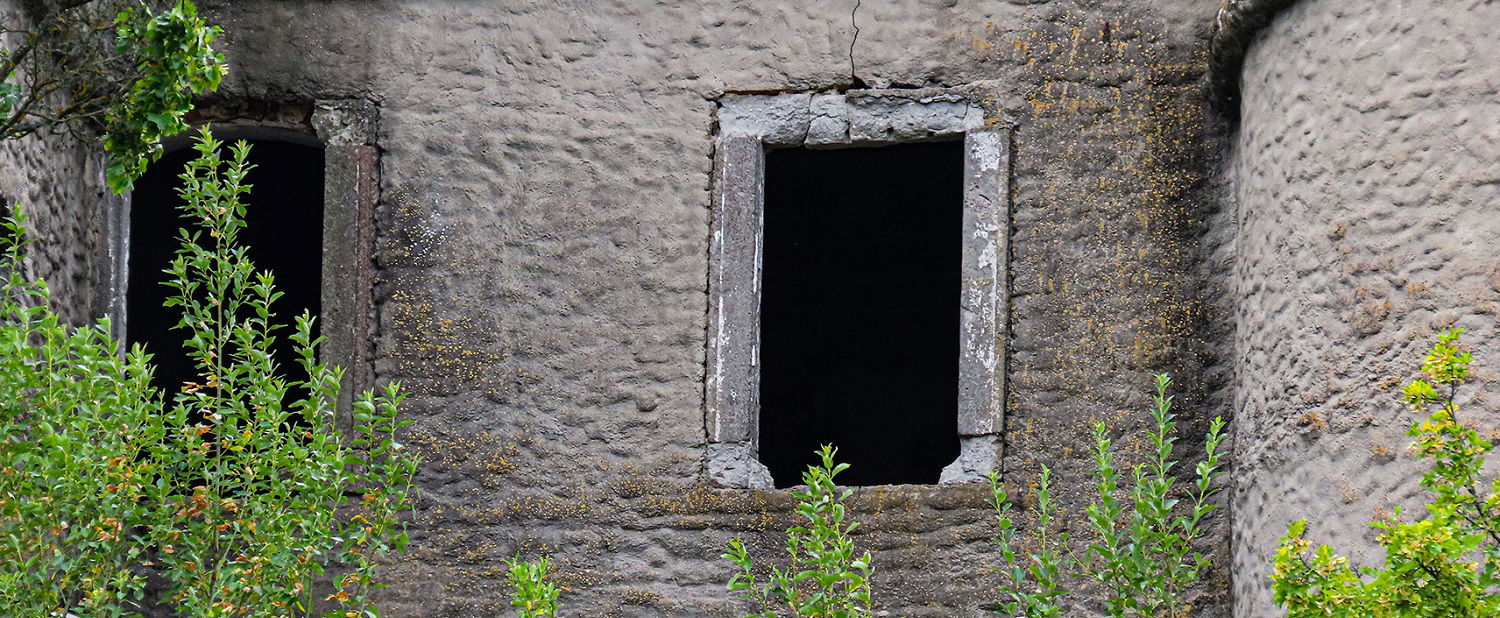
x: 860, y: 311
x: 284, y: 233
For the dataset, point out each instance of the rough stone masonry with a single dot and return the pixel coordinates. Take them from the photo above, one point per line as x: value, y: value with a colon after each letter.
x: 1277, y: 202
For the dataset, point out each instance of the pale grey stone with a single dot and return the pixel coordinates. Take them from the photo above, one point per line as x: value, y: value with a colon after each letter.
x: 978, y: 456
x: 735, y: 465
x: 830, y: 120
x: 778, y: 120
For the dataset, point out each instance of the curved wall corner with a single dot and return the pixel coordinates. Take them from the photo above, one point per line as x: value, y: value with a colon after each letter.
x: 1367, y: 177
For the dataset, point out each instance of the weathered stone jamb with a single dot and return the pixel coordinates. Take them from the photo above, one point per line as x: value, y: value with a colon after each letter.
x: 346, y: 129
x: 748, y: 124
x: 732, y: 381
x: 113, y: 221
x: 985, y: 306
x: 351, y: 189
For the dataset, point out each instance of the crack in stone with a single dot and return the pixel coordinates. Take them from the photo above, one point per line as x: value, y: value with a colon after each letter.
x: 853, y: 77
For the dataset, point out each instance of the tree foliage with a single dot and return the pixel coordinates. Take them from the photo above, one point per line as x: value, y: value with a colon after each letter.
x: 1033, y: 586
x: 123, y: 69
x: 1142, y: 549
x: 77, y: 421
x: 532, y: 595
x: 1144, y: 554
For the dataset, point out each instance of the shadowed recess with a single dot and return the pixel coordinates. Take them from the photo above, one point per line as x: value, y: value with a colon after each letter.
x: 284, y: 218
x: 860, y: 311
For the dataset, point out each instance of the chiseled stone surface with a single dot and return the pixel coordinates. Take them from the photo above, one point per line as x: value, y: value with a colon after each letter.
x: 985, y: 283
x: 978, y: 456
x: 862, y: 117
x: 734, y: 464
x: 1367, y: 185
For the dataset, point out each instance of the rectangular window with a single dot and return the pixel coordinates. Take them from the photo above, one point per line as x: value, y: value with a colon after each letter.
x: 859, y: 320
x: 857, y: 296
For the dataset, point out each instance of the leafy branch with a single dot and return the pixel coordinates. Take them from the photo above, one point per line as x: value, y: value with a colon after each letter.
x: 1445, y: 565
x: 826, y: 578
x: 123, y: 69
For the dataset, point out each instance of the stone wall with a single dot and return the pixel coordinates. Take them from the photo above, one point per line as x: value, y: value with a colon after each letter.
x: 542, y: 255
x: 543, y: 245
x: 542, y: 264
x: 59, y: 184
x: 1364, y: 171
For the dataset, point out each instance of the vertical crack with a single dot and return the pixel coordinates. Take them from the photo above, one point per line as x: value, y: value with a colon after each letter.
x: 854, y: 79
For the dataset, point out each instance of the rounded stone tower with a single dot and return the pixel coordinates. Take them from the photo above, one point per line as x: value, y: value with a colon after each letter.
x: 1366, y: 174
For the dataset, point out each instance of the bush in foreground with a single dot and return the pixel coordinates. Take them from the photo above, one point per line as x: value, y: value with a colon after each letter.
x: 1445, y: 565
x: 237, y: 491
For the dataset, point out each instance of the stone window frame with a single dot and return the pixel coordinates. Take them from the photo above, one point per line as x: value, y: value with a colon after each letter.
x: 346, y: 130
x: 749, y: 125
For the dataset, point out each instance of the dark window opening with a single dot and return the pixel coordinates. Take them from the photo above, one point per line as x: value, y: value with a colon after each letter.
x: 860, y: 311
x: 284, y: 233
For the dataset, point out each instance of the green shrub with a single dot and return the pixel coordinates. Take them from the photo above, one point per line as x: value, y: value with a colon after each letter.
x: 1142, y: 545
x: 1144, y: 551
x: 533, y: 596
x: 236, y: 496
x: 825, y: 578
x: 1445, y: 565
x: 77, y: 423
x: 1034, y: 588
